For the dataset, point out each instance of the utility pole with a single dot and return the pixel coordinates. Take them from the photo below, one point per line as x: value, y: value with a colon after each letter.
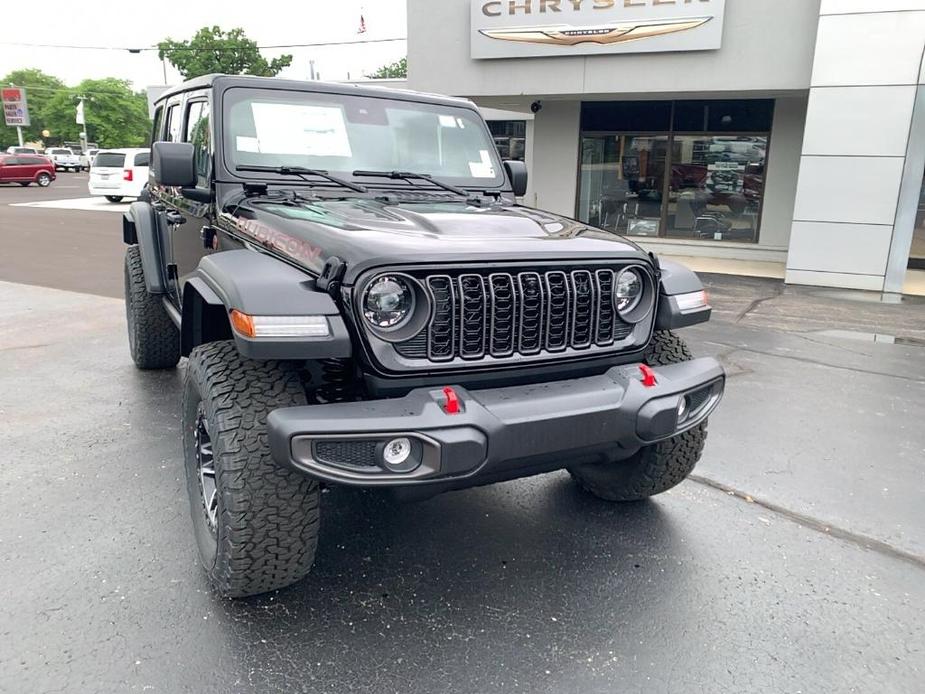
x: 81, y: 120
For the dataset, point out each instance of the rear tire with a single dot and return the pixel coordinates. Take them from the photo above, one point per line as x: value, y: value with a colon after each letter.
x: 43, y: 179
x: 154, y: 340
x: 256, y: 523
x: 652, y: 469
x: 114, y: 198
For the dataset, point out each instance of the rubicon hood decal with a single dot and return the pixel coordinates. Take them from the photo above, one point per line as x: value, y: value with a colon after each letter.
x: 603, y: 34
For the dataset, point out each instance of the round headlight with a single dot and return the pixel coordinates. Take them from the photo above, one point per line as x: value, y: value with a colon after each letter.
x: 627, y: 290
x: 388, y: 302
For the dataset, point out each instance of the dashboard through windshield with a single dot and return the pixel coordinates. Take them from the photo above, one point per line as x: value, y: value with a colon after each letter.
x: 343, y: 133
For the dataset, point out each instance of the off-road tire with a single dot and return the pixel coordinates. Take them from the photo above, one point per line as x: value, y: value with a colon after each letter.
x: 652, y: 469
x: 153, y: 339
x: 267, y: 516
x: 114, y: 198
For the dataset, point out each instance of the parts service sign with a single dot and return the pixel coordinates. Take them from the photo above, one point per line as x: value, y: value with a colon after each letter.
x: 15, y: 108
x: 544, y: 28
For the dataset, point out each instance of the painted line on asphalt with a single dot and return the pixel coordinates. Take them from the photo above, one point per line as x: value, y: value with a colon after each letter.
x: 811, y: 523
x: 92, y: 204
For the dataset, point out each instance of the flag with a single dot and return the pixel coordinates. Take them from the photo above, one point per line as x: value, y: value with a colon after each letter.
x: 80, y: 113
x: 362, y: 29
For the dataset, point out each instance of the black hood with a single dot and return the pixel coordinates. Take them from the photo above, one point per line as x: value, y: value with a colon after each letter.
x: 368, y: 233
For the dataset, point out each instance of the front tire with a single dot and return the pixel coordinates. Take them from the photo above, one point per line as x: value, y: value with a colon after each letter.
x: 652, y: 469
x: 256, y: 523
x: 43, y: 179
x: 114, y: 198
x: 153, y: 339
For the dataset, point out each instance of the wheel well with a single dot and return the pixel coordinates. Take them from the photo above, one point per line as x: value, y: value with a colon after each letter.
x: 202, y: 322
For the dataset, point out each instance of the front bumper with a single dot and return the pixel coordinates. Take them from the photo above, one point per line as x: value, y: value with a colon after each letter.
x: 498, y: 433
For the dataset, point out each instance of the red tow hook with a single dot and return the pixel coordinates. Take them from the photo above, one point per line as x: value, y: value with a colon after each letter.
x: 451, y: 406
x: 648, y: 376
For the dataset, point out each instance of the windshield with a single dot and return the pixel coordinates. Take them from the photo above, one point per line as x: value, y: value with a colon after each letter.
x: 342, y: 134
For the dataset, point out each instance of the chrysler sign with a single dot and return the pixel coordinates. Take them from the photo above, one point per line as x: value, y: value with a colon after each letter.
x: 543, y: 28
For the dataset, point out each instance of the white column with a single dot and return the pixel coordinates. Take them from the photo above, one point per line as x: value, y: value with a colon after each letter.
x: 863, y: 139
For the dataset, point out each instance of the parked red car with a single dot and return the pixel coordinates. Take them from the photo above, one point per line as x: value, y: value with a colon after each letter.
x: 26, y: 168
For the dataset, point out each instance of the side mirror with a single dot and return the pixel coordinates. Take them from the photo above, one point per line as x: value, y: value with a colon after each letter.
x: 172, y: 164
x: 517, y: 172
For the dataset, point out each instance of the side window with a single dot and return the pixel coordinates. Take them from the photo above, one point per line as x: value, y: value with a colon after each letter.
x: 142, y: 159
x: 197, y: 133
x: 158, y: 118
x: 173, y: 124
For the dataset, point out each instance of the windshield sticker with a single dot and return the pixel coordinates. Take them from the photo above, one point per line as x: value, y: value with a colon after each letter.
x: 482, y: 168
x: 248, y: 144
x: 448, y: 121
x: 315, y: 131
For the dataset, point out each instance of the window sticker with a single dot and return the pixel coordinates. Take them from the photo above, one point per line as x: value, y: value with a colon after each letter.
x: 448, y: 121
x: 482, y: 168
x: 247, y: 144
x: 317, y: 131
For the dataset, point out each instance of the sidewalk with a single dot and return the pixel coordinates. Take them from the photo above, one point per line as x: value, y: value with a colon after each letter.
x: 913, y: 286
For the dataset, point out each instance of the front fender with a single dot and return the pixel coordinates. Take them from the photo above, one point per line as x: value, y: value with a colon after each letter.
x: 140, y: 225
x: 259, y: 285
x: 677, y: 285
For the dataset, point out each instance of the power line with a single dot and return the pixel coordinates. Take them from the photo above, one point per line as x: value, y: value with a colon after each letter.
x: 191, y: 48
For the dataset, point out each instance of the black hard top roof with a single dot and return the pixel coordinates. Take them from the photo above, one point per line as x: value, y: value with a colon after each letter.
x: 224, y: 81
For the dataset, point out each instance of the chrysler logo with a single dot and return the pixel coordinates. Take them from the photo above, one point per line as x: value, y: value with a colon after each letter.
x: 603, y: 34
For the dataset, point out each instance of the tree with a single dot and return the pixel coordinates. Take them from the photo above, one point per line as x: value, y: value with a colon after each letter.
x: 213, y: 50
x: 391, y: 71
x: 116, y: 116
x: 40, y: 89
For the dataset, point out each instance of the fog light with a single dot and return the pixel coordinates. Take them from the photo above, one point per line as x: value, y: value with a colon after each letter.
x: 396, y: 452
x: 682, y: 408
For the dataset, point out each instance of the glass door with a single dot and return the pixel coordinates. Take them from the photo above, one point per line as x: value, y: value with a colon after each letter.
x: 917, y: 253
x: 622, y: 183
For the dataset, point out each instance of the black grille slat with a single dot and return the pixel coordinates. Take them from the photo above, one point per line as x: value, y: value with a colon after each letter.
x: 583, y: 308
x: 442, y: 328
x: 503, y: 315
x: 531, y: 312
x: 473, y: 316
x: 483, y: 313
x: 606, y: 314
x: 557, y: 311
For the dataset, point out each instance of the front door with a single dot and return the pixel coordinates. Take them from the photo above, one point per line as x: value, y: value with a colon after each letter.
x: 188, y: 225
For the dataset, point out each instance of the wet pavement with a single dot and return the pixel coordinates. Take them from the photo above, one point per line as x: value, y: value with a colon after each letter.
x: 793, y: 562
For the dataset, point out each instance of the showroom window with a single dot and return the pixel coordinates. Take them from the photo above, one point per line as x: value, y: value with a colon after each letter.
x: 675, y: 169
x: 510, y: 138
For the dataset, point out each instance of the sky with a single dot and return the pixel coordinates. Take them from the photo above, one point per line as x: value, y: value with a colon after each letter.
x: 125, y: 25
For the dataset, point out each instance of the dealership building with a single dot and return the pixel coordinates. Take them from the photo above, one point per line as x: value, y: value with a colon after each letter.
x: 787, y: 133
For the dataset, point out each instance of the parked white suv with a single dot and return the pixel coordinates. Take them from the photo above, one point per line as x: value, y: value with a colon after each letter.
x: 21, y: 150
x: 86, y: 158
x: 63, y: 158
x: 119, y: 173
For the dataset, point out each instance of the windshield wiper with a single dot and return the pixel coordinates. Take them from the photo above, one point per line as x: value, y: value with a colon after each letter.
x: 303, y: 173
x: 410, y: 175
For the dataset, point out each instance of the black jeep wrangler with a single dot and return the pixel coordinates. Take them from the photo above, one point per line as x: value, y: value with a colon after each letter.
x: 363, y: 302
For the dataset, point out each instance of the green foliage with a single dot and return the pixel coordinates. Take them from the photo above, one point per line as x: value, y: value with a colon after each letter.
x: 116, y: 116
x: 40, y: 89
x: 213, y: 50
x: 395, y: 70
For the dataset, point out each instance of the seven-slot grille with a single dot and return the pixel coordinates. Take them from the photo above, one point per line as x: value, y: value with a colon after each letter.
x: 502, y: 314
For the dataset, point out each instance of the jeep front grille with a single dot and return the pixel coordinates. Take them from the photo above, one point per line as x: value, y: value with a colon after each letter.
x: 504, y: 314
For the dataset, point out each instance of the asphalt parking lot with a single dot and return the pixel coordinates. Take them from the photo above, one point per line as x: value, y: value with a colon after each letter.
x: 794, y: 561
